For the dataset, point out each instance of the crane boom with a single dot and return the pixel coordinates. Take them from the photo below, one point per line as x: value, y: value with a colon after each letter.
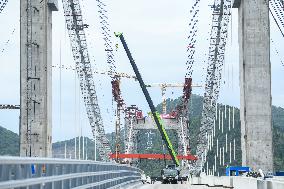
x: 154, y: 112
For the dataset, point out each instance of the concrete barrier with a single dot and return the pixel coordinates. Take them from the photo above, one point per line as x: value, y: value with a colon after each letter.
x: 240, y: 182
x: 223, y: 181
x: 244, y: 182
x: 275, y: 184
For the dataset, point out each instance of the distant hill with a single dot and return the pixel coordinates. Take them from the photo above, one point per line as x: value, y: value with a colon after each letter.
x: 58, y: 148
x: 9, y: 141
x: 278, y: 117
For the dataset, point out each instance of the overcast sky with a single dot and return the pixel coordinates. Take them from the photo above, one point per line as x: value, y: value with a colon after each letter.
x: 156, y: 32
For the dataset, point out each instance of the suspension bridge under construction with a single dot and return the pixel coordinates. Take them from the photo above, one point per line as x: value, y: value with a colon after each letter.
x: 116, y: 163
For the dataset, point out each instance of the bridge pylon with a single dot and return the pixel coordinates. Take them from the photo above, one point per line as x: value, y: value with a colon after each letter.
x: 255, y: 84
x: 36, y: 77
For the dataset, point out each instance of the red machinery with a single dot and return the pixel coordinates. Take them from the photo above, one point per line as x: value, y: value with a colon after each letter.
x: 139, y: 114
x: 187, y: 90
x: 172, y: 115
x: 152, y: 156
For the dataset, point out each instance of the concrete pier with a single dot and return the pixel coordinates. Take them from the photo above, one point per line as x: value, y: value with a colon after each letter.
x: 36, y: 65
x: 255, y: 84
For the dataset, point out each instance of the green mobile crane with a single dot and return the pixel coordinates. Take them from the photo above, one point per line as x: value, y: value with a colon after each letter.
x: 154, y: 112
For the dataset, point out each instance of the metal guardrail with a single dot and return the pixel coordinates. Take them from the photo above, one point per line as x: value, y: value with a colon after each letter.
x: 49, y: 173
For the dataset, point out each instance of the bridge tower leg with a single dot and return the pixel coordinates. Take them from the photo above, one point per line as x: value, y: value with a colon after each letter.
x: 36, y: 68
x: 255, y: 84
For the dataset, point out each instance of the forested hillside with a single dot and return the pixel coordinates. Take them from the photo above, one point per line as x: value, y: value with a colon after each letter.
x: 150, y: 141
x: 9, y: 142
x: 234, y: 133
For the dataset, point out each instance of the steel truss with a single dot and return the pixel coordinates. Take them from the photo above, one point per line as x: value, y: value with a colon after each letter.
x: 183, y: 131
x: 276, y: 8
x: 130, y: 139
x: 194, y: 15
x: 75, y: 27
x: 219, y: 33
x: 107, y: 36
x: 3, y: 3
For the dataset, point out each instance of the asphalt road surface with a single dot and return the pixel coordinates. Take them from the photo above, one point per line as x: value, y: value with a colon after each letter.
x: 158, y: 185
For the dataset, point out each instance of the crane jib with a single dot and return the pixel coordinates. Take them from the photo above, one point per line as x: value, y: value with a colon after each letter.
x: 154, y: 112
